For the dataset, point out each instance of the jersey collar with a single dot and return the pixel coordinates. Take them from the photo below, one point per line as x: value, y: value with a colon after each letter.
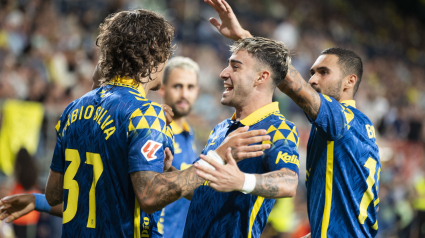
x: 259, y: 114
x: 350, y: 103
x: 177, y: 129
x: 129, y: 83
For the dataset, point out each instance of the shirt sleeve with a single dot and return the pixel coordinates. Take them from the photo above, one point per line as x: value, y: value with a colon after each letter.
x: 148, y: 136
x: 333, y: 119
x: 58, y: 160
x: 283, y: 152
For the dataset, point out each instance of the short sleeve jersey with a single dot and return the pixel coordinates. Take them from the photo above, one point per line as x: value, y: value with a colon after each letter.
x: 173, y: 216
x: 234, y: 214
x: 343, y: 169
x: 102, y: 137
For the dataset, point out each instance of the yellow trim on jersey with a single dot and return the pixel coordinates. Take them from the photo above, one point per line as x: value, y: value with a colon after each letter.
x: 328, y: 192
x: 259, y: 114
x: 254, y: 213
x: 177, y: 129
x: 129, y: 83
x: 136, y: 219
x: 350, y: 103
x: 375, y: 226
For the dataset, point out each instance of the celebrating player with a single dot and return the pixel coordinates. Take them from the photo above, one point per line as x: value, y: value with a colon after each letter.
x: 111, y: 143
x: 179, y: 91
x: 343, y: 165
x: 255, y: 68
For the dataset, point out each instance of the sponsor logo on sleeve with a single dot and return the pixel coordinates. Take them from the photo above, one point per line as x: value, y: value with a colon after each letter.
x: 150, y: 148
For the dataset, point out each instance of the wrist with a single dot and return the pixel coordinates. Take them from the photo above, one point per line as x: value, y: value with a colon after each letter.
x: 41, y: 203
x: 249, y: 183
x: 244, y: 34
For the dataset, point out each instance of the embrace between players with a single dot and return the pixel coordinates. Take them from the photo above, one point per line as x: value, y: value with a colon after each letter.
x: 112, y: 166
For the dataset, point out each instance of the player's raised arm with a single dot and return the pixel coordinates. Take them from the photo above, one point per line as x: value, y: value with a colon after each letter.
x: 154, y: 190
x: 301, y: 92
x: 293, y: 85
x: 229, y: 26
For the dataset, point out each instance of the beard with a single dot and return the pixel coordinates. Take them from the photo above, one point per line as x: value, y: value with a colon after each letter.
x: 180, y: 113
x: 333, y: 91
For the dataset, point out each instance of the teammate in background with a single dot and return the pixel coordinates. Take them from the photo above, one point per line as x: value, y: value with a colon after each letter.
x: 343, y: 165
x: 179, y: 91
x: 111, y: 142
x: 255, y: 68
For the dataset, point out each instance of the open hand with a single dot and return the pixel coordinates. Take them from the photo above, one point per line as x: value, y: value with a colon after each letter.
x: 229, y: 26
x: 15, y: 206
x: 225, y: 178
x: 241, y: 143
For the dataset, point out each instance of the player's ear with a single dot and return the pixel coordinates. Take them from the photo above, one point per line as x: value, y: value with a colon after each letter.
x: 351, y: 81
x: 161, y: 91
x: 262, y: 77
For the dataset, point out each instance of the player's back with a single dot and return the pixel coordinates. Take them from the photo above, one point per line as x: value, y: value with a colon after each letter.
x: 100, y: 140
x: 343, y: 170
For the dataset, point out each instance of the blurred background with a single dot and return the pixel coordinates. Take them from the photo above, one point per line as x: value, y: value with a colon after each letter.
x: 48, y: 54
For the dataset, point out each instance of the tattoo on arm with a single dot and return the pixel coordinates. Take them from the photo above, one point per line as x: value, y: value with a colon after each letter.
x: 54, y: 188
x: 282, y: 183
x: 301, y: 92
x: 159, y: 190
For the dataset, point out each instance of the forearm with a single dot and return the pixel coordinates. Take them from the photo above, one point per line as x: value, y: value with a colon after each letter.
x: 278, y: 184
x: 172, y: 169
x: 155, y: 190
x: 54, y: 188
x: 301, y: 92
x: 57, y: 210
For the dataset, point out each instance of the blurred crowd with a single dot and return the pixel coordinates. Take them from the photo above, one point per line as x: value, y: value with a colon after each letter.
x: 48, y: 55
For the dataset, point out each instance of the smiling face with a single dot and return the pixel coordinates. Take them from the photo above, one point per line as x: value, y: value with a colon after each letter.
x: 180, y: 91
x: 326, y: 76
x: 238, y: 79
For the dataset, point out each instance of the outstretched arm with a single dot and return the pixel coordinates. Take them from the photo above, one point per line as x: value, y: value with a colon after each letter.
x: 227, y: 178
x: 16, y: 206
x: 293, y: 85
x: 229, y: 26
x: 154, y: 191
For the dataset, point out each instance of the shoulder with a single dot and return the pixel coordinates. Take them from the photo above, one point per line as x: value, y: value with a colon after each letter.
x: 281, y: 130
x: 149, y: 115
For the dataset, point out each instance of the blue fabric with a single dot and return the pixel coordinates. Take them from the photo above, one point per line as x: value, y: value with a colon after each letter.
x: 174, y: 214
x: 129, y: 134
x: 216, y: 214
x: 354, y: 143
x: 41, y: 203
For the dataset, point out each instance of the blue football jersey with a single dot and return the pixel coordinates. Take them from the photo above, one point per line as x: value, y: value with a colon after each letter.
x: 173, y: 216
x: 343, y: 170
x: 102, y: 137
x: 234, y: 214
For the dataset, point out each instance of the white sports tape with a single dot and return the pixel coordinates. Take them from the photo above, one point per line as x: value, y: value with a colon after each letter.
x: 249, y: 184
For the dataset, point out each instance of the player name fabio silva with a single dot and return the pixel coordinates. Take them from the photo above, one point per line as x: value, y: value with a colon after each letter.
x: 100, y: 115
